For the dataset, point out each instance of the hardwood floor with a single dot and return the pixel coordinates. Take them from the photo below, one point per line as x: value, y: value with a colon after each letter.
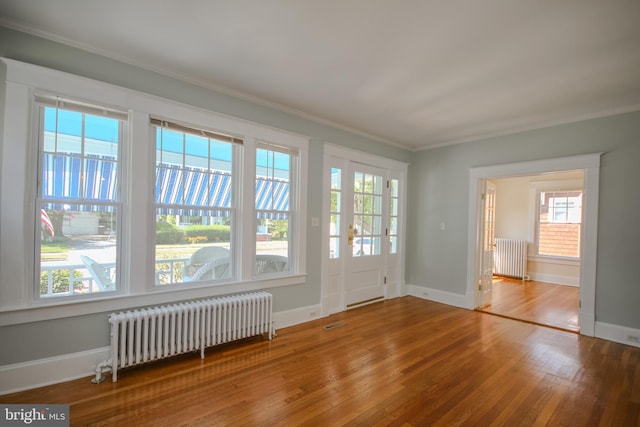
x: 536, y: 302
x: 402, y: 362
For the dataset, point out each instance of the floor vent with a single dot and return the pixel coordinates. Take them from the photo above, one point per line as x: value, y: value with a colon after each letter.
x: 333, y: 326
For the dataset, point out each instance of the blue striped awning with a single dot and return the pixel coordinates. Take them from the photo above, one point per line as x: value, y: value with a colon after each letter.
x: 213, y: 190
x: 272, y: 198
x: 62, y: 180
x: 192, y: 187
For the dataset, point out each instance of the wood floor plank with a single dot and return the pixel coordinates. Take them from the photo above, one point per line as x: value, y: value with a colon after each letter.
x: 536, y: 302
x: 402, y: 362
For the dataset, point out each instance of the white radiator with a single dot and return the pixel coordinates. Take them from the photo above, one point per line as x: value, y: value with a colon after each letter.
x: 140, y: 336
x: 510, y: 258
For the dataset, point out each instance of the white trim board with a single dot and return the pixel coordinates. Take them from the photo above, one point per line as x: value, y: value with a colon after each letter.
x: 284, y: 319
x: 51, y: 370
x: 617, y: 333
x: 437, y: 295
x: 555, y: 279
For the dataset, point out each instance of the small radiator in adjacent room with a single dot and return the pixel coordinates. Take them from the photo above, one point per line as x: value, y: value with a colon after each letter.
x: 145, y: 335
x: 510, y: 258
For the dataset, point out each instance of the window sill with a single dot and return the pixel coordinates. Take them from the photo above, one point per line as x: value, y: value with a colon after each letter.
x: 115, y: 302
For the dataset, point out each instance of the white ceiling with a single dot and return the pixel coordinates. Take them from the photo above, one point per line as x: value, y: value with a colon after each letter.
x: 415, y: 73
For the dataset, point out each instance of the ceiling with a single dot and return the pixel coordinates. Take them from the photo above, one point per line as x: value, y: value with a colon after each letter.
x: 414, y: 73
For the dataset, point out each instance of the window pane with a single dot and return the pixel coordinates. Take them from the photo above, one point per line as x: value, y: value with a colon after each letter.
x: 559, y: 223
x: 192, y: 247
x: 77, y: 222
x: 393, y: 217
x: 78, y: 249
x: 375, y: 246
x: 394, y: 226
x: 336, y: 179
x: 335, y: 201
x: 272, y: 246
x: 62, y: 131
x: 377, y: 205
x: 334, y: 247
x: 358, y: 182
x: 394, y: 244
x: 194, y: 215
x: 273, y: 170
x: 394, y: 188
x: 334, y: 226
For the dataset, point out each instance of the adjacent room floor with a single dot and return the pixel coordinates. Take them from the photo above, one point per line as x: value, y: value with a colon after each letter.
x: 536, y: 302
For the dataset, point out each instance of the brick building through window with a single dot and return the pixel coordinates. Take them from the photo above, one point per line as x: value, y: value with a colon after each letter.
x: 560, y: 223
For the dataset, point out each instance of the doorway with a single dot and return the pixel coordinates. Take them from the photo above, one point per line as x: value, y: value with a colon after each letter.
x: 542, y: 214
x: 590, y: 164
x: 364, y: 237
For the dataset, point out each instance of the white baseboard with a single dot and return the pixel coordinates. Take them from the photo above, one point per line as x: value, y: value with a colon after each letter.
x: 52, y: 370
x: 284, y: 319
x: 617, y: 333
x: 556, y: 279
x: 449, y: 298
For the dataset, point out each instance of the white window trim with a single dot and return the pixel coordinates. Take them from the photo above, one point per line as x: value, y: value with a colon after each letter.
x: 17, y: 195
x: 535, y: 187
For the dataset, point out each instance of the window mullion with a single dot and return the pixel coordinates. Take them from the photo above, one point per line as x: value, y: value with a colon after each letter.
x: 248, y: 212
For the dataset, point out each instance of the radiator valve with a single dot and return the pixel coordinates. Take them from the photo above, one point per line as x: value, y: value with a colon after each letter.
x: 102, y: 367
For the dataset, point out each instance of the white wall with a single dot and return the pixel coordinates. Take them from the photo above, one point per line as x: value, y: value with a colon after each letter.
x: 512, y: 207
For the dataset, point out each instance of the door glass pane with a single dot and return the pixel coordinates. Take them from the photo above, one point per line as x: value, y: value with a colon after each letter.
x: 393, y: 230
x: 393, y: 217
x: 377, y: 205
x: 367, y: 214
x: 334, y: 211
x: 393, y: 242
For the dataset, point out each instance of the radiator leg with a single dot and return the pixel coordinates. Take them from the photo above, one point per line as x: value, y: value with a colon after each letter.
x: 99, y: 370
x: 272, y: 330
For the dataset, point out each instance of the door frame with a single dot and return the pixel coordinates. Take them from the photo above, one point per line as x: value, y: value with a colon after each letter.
x: 398, y: 169
x: 590, y: 163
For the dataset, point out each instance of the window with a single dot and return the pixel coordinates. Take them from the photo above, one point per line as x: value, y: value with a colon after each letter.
x: 78, y: 197
x: 194, y: 212
x: 272, y: 207
x: 559, y: 223
x: 126, y: 194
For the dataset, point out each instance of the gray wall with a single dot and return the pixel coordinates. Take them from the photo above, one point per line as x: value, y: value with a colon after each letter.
x: 438, y: 192
x: 37, y: 340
